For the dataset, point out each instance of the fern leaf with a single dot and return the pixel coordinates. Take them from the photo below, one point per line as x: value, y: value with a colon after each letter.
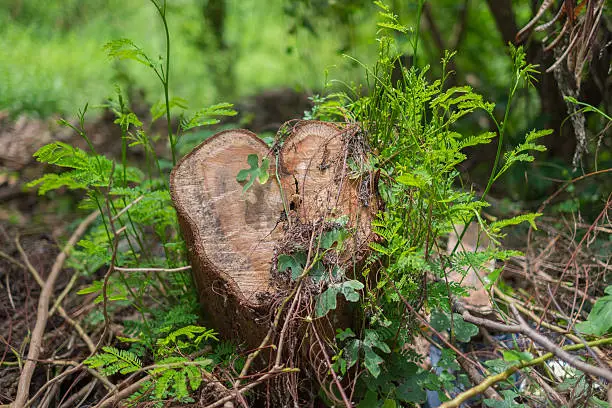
x: 163, y: 383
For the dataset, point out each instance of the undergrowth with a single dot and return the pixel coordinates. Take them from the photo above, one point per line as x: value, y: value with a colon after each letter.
x: 136, y: 260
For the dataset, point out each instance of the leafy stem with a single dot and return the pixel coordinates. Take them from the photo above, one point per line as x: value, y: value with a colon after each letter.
x: 165, y: 76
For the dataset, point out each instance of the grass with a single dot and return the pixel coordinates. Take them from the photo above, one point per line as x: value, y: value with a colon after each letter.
x: 51, y: 58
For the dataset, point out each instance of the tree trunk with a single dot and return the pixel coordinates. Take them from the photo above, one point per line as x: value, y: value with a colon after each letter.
x: 234, y: 237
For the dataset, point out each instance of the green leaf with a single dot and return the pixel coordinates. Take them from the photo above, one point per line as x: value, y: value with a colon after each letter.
x: 599, y: 321
x: 498, y: 365
x: 208, y: 116
x: 416, y: 178
x: 349, y: 290
x: 159, y: 108
x: 496, y: 226
x: 296, y: 262
x: 411, y: 389
x: 369, y: 401
x: 389, y: 403
x: 126, y: 49
x: 372, y: 362
x: 439, y: 320
x: 372, y: 339
x: 517, y: 356
x: 335, y: 236
x: 164, y: 382
x: 326, y: 301
x: 464, y: 331
x: 342, y: 335
x: 254, y: 172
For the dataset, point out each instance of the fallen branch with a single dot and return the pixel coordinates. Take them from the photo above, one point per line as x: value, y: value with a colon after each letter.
x: 525, y: 329
x: 491, y: 381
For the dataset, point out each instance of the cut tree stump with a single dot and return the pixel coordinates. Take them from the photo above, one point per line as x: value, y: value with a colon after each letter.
x: 233, y: 236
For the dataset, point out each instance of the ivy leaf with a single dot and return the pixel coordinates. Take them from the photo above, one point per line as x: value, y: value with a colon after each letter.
x: 369, y: 401
x: 254, y: 172
x: 439, y: 320
x: 464, y: 331
x: 599, y: 321
x: 296, y: 262
x: 352, y: 351
x: 317, y: 272
x: 498, y: 365
x: 411, y: 389
x: 329, y: 238
x: 448, y: 360
x: 372, y: 361
x: 349, y: 290
x: 372, y: 339
x: 342, y: 335
x: 326, y: 301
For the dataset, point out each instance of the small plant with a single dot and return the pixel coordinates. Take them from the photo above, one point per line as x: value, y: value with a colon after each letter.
x: 255, y: 172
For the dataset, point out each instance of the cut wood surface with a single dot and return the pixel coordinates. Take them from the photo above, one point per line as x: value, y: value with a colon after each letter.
x: 232, y: 235
x: 230, y: 232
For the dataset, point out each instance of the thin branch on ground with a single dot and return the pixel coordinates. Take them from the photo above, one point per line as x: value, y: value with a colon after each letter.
x: 525, y: 329
x: 28, y: 266
x: 42, y: 314
x: 179, y: 269
x: 492, y: 380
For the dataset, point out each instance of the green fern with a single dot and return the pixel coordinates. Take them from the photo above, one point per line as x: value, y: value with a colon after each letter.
x: 176, y: 375
x: 88, y: 170
x: 113, y: 361
x: 184, y: 339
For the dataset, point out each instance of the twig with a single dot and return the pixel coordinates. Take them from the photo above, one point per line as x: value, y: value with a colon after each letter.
x: 182, y: 268
x: 555, y: 328
x: 244, y: 389
x: 126, y: 392
x: 563, y: 355
x: 82, y: 394
x: 43, y: 313
x: 127, y: 207
x: 277, y: 318
x: 345, y: 399
x: 77, y: 366
x: 28, y: 266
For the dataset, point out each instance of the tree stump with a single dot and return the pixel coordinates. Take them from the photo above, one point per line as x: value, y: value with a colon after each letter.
x: 233, y: 236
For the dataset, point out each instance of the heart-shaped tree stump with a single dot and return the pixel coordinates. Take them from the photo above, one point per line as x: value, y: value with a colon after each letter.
x: 233, y: 236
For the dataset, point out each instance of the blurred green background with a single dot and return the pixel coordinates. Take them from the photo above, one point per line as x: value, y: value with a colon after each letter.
x: 52, y: 61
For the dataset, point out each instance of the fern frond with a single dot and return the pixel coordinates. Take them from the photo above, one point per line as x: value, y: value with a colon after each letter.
x: 114, y: 361
x: 496, y: 226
